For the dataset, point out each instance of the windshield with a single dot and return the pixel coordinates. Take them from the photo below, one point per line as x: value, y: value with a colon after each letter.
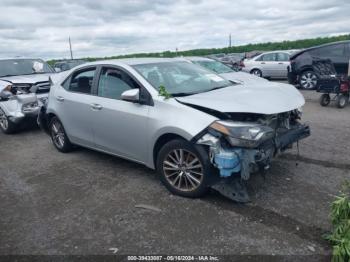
x: 181, y: 78
x: 215, y: 66
x: 14, y: 67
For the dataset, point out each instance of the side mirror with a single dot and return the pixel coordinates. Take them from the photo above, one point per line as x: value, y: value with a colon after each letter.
x: 57, y: 69
x: 132, y: 95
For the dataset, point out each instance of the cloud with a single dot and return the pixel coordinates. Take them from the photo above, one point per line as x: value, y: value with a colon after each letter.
x: 39, y: 28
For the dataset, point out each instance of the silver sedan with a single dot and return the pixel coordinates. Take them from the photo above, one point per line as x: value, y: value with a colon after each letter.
x: 195, y: 127
x: 269, y: 64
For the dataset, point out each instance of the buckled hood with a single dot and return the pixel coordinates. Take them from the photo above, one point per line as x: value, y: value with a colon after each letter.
x: 27, y: 79
x: 262, y: 98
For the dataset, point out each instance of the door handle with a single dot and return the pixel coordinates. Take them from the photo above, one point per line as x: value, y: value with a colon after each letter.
x: 263, y: 63
x: 96, y: 106
x: 280, y: 63
x: 60, y: 98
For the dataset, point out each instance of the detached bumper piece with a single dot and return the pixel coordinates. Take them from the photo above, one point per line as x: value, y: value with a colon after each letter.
x: 283, y: 141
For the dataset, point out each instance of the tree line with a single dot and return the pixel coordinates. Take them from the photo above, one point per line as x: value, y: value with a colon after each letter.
x: 268, y: 46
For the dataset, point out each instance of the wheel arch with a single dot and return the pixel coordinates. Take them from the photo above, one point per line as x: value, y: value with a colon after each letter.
x: 162, y: 140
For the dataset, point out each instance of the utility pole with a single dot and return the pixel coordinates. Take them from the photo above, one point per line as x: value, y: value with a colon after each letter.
x: 229, y: 41
x: 70, y: 48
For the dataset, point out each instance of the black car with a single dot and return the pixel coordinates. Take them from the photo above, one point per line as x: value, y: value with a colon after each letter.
x: 301, y: 72
x: 67, y: 65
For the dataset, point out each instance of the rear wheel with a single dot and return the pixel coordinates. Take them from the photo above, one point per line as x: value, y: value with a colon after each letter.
x: 342, y: 100
x: 184, y: 168
x: 6, y: 125
x: 325, y: 99
x: 308, y: 80
x: 59, y: 136
x: 256, y: 72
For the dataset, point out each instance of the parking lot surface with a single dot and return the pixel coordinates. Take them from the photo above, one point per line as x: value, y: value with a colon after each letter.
x: 86, y: 202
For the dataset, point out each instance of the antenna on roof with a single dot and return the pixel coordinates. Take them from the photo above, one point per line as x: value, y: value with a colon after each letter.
x: 70, y: 48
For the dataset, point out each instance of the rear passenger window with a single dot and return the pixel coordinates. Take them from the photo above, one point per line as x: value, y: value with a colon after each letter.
x: 81, y: 82
x: 268, y: 57
x: 332, y: 50
x: 114, y: 82
x: 282, y: 57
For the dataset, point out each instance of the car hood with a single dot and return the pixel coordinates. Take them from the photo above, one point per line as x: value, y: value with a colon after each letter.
x: 265, y: 98
x: 27, y: 79
x: 242, y: 77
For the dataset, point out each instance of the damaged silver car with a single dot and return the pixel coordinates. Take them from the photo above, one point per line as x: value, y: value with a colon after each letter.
x: 24, y: 85
x: 196, y: 128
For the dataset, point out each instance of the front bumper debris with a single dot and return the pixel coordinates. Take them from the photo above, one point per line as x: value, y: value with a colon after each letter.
x: 235, y: 165
x: 23, y: 106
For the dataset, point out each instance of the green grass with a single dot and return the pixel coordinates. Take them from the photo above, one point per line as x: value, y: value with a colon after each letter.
x: 340, y: 236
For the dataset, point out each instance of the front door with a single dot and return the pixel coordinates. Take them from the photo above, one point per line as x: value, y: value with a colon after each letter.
x: 119, y: 127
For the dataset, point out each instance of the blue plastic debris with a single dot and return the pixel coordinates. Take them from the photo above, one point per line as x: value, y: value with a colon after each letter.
x: 228, y: 162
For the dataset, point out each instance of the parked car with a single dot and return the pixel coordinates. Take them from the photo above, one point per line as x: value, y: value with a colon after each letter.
x: 268, y: 64
x: 233, y: 60
x: 223, y: 70
x: 195, y: 127
x: 67, y: 65
x: 300, y: 71
x: 25, y: 84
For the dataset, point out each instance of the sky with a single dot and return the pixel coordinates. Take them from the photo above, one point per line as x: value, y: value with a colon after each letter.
x: 40, y: 28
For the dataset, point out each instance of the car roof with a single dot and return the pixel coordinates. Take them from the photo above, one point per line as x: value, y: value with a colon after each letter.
x: 318, y: 46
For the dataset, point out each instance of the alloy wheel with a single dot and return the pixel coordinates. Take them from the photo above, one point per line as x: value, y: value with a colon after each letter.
x: 57, y: 133
x: 183, y: 170
x: 3, y: 120
x: 256, y: 72
x: 308, y: 80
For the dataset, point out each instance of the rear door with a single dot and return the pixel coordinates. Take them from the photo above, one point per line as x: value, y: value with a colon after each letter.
x: 268, y: 64
x: 73, y: 105
x: 338, y: 54
x: 283, y: 63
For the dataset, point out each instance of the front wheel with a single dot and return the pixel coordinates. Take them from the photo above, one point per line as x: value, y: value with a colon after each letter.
x: 6, y: 125
x: 59, y: 136
x: 184, y: 168
x: 256, y: 72
x: 308, y: 80
x: 342, y: 100
x: 325, y: 99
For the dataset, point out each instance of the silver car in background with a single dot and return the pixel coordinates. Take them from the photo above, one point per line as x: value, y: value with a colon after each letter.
x: 196, y: 128
x: 269, y: 64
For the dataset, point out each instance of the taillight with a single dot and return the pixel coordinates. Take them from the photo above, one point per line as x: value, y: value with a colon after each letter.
x: 344, y: 87
x: 241, y: 64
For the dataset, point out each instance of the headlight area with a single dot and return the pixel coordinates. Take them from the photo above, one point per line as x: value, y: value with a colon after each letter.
x: 234, y: 147
x: 30, y: 107
x: 246, y: 147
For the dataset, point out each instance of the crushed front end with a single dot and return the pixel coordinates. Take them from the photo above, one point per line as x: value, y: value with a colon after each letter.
x: 22, y: 101
x: 245, y: 143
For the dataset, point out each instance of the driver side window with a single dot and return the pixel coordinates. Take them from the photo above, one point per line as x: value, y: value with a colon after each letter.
x: 113, y: 83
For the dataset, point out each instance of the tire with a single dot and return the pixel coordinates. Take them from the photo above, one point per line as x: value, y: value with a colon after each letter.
x: 342, y: 100
x: 6, y: 125
x: 177, y: 176
x: 59, y: 137
x: 325, y: 99
x: 256, y: 72
x: 308, y: 80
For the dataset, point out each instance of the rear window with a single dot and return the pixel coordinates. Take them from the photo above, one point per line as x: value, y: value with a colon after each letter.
x: 331, y: 50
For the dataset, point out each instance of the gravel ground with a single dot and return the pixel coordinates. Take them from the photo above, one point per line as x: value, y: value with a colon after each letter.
x: 85, y: 202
